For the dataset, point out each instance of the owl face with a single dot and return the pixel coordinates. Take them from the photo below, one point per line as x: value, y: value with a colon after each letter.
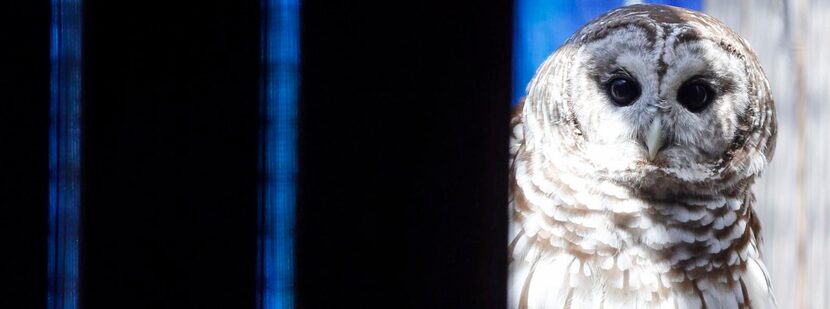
x: 675, y: 105
x: 655, y: 95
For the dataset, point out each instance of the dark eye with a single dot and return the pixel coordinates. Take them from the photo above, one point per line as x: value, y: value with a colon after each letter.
x: 695, y: 96
x: 623, y: 91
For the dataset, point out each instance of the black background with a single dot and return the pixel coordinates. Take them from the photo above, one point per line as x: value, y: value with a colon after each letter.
x: 24, y: 152
x: 403, y: 154
x: 170, y: 154
x: 403, y: 151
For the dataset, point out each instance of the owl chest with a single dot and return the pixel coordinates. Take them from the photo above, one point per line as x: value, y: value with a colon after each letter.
x: 565, y: 281
x: 642, y: 256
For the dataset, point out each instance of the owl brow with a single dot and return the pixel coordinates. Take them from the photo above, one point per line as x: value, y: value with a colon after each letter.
x: 706, y: 77
x: 720, y: 84
x: 617, y: 71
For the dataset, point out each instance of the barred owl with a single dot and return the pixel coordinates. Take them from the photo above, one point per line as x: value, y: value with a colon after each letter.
x: 633, y: 154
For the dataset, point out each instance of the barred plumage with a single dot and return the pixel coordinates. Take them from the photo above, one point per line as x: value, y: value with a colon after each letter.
x: 603, y: 218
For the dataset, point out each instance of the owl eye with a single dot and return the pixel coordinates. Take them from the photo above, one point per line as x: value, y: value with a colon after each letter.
x: 623, y: 91
x: 695, y: 96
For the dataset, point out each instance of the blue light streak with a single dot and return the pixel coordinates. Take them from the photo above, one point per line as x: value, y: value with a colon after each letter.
x: 64, y: 155
x: 280, y: 81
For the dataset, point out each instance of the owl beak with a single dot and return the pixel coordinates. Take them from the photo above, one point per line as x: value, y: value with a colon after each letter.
x: 655, y: 137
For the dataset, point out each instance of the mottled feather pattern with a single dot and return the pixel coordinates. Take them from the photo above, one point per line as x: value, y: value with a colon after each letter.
x: 594, y: 225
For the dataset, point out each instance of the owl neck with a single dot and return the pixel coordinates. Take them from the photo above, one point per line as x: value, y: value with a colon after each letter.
x: 636, y: 241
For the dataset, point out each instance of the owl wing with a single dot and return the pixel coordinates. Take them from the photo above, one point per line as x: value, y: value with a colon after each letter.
x: 517, y: 137
x: 516, y: 142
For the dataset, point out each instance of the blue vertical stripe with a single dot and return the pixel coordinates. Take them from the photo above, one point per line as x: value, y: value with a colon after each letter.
x: 541, y: 26
x: 280, y: 81
x: 64, y: 154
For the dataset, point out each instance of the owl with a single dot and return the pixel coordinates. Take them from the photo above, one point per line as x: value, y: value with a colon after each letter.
x: 632, y: 160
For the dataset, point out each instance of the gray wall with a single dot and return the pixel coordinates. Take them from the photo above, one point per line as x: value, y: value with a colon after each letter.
x: 791, y: 39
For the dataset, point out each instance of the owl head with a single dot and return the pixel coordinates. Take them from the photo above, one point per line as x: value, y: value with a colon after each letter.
x: 661, y: 99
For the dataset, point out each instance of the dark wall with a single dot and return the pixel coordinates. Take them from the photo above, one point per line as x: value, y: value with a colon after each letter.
x: 403, y: 153
x: 24, y: 149
x: 170, y: 154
